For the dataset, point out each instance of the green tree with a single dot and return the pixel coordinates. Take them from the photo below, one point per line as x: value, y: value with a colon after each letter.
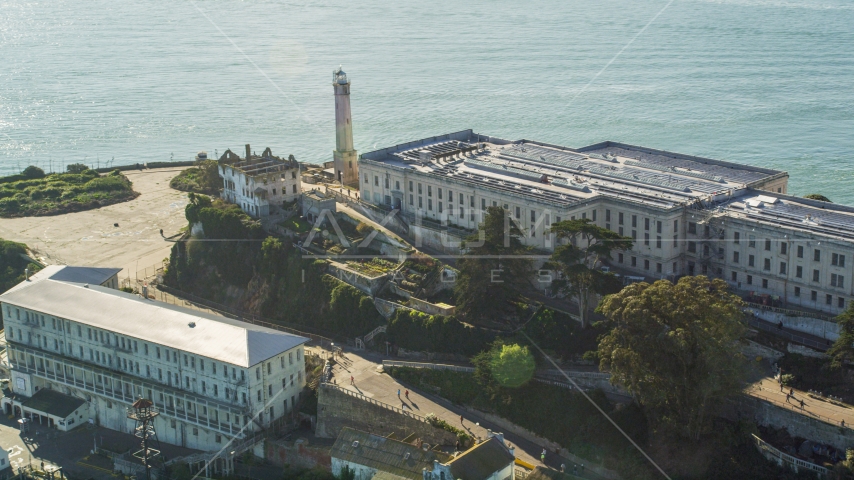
x: 33, y: 172
x: 76, y: 168
x: 675, y: 347
x: 842, y: 351
x: 494, y: 268
x: 818, y: 196
x: 578, y: 259
x: 512, y: 365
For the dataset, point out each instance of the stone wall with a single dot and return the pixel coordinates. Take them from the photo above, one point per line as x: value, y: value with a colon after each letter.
x: 812, y: 326
x: 753, y: 350
x: 798, y: 425
x: 299, y: 453
x: 336, y: 410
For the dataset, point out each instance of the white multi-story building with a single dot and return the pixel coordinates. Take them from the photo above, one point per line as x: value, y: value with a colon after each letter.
x: 687, y: 215
x: 208, y: 376
x: 259, y: 184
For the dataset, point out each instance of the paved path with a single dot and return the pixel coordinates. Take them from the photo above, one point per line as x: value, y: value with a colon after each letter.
x: 769, y: 389
x: 371, y: 383
x: 90, y: 239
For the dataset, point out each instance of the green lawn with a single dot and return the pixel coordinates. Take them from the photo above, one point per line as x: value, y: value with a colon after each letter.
x: 60, y: 193
x: 296, y: 224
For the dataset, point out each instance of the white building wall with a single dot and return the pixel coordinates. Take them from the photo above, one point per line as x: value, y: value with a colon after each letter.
x: 173, y: 375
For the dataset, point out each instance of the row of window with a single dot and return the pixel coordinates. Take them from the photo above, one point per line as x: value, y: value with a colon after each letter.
x: 828, y: 298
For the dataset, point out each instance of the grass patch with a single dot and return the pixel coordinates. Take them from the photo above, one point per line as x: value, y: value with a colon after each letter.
x: 60, y: 193
x: 296, y: 224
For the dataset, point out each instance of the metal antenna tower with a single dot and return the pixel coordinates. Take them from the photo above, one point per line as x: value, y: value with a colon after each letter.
x: 143, y: 413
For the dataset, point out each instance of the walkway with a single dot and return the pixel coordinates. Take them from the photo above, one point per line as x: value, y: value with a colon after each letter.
x: 834, y: 413
x: 371, y: 383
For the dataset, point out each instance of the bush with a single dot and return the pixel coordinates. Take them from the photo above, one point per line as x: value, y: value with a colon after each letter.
x: 33, y: 172
x: 435, y: 333
x: 76, y: 168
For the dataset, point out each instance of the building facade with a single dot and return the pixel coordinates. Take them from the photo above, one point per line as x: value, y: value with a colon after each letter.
x: 211, y: 378
x: 259, y: 184
x: 687, y: 215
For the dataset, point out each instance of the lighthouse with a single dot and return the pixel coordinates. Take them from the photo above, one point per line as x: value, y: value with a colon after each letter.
x: 344, y: 156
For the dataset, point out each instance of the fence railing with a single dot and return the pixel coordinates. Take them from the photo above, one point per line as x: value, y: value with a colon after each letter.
x: 374, y: 401
x: 791, y: 313
x: 431, y: 366
x: 809, y: 342
x: 795, y: 463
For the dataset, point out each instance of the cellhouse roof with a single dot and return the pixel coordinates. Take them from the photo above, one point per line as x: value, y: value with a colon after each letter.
x: 212, y: 336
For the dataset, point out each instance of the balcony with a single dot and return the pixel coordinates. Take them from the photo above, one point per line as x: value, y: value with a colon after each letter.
x: 125, y: 389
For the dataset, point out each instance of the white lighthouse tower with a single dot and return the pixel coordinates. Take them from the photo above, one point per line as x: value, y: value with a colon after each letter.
x: 344, y: 156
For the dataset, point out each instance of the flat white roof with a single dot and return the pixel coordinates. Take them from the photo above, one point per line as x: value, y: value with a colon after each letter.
x: 212, y: 336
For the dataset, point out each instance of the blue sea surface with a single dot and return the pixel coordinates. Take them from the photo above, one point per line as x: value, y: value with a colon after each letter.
x: 763, y: 82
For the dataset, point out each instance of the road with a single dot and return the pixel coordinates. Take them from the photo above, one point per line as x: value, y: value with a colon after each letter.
x: 90, y: 238
x: 382, y: 387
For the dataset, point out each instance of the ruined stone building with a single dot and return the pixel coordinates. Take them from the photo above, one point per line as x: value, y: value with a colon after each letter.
x: 259, y: 184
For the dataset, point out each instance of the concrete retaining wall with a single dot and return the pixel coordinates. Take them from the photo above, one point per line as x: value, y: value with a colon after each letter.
x: 812, y: 326
x: 336, y: 410
x: 798, y: 425
x: 753, y: 350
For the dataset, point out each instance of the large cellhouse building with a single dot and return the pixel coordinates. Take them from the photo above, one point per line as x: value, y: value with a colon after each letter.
x: 687, y: 215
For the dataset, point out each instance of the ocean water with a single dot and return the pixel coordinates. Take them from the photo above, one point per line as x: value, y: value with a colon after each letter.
x: 764, y: 82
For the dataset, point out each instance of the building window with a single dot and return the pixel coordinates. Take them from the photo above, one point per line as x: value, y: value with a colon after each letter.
x: 734, y: 276
x: 841, y: 302
x: 620, y: 218
x: 646, y: 264
x: 782, y: 268
x: 420, y: 203
x: 767, y: 265
x: 385, y: 181
x: 620, y: 231
x: 429, y: 203
x: 692, y: 247
x: 837, y: 260
x: 411, y: 199
x: 518, y: 212
x: 658, y: 227
x: 751, y: 261
x: 828, y: 299
x: 658, y: 241
x: 634, y: 234
x: 764, y: 283
x: 799, y: 271
x: 837, y: 280
x: 692, y: 227
x: 634, y: 221
x: 410, y: 185
x: 293, y: 189
x: 784, y: 248
x: 815, y: 275
x: 376, y: 181
x: 816, y: 255
x: 607, y: 215
x: 736, y: 237
x: 620, y: 257
x: 429, y: 190
x: 814, y: 296
x: 658, y: 267
x: 420, y: 191
x: 768, y: 244
x: 751, y: 241
x: 800, y: 251
x: 634, y: 261
x: 750, y: 279
x: 439, y: 192
x: 594, y: 215
x: 735, y: 256
x: 646, y: 239
x: 797, y: 291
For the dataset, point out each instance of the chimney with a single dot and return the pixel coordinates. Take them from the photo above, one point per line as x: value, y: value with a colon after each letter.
x: 248, y: 152
x: 27, y: 273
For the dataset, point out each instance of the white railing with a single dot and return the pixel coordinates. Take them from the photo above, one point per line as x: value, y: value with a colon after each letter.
x: 375, y: 402
x: 783, y: 458
x: 431, y: 366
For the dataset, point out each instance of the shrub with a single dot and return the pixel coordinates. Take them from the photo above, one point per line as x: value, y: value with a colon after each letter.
x: 76, y: 168
x: 33, y: 172
x: 435, y: 333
